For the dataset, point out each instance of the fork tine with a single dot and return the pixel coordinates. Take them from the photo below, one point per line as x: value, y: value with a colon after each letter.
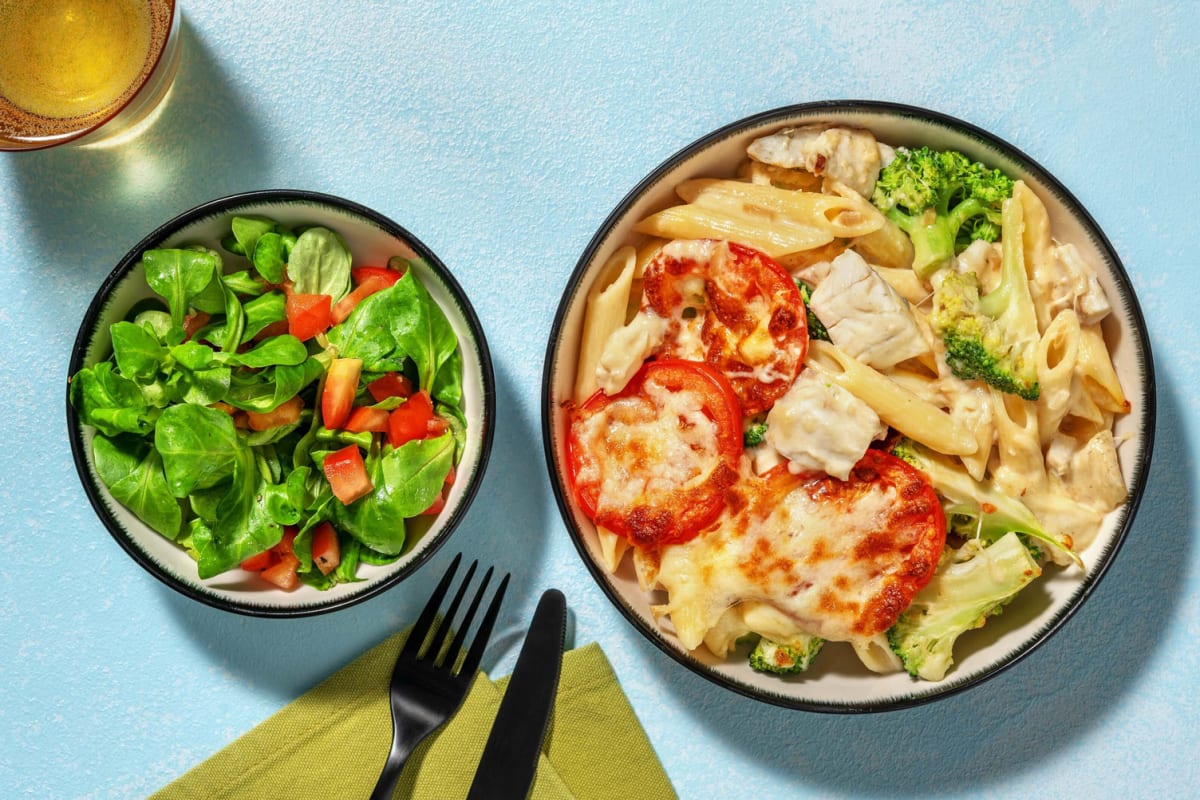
x: 471, y: 662
x: 420, y: 631
x: 443, y: 632
x: 456, y: 645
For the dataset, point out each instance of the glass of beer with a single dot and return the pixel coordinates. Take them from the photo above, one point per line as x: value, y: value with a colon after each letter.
x: 83, y: 71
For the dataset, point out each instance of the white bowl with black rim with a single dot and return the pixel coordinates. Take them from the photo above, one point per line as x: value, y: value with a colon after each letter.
x: 372, y: 238
x: 837, y: 682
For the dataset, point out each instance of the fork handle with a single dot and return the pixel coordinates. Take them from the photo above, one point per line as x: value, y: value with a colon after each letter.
x: 390, y: 775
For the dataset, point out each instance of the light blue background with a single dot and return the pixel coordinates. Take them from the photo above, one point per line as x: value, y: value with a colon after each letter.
x: 502, y: 136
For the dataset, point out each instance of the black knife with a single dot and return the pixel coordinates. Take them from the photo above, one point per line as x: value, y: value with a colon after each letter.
x: 510, y: 756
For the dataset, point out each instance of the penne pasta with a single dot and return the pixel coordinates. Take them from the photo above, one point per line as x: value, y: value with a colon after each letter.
x: 1056, y: 356
x: 844, y: 217
x: 1096, y: 369
x: 898, y: 407
x: 696, y: 222
x: 1020, y: 466
x: 612, y: 548
x: 605, y: 312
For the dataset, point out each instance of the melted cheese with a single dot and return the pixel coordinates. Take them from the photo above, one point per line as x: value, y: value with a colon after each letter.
x: 625, y: 350
x: 642, y: 446
x: 826, y: 567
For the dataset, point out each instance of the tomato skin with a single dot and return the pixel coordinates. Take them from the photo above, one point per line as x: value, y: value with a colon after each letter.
x: 341, y: 385
x: 390, y: 384
x: 411, y: 419
x: 361, y: 275
x: 258, y: 562
x: 326, y: 551
x: 751, y: 320
x: 367, y: 418
x: 278, y: 564
x: 668, y: 515
x: 347, y: 474
x: 308, y: 314
x: 286, y: 413
x: 369, y: 286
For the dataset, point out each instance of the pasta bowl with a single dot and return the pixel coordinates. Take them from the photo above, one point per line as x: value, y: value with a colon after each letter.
x: 604, y: 293
x: 222, y: 490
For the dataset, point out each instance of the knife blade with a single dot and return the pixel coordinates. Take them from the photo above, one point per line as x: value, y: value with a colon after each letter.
x: 509, y: 761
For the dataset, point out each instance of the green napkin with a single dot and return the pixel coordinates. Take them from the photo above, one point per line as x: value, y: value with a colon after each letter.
x: 331, y: 742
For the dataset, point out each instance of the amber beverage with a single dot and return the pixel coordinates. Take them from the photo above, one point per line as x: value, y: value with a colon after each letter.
x: 82, y: 71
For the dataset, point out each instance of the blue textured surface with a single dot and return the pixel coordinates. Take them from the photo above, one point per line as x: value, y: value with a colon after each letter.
x: 502, y: 137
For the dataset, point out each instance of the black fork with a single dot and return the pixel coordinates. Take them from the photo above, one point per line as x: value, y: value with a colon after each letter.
x: 428, y: 683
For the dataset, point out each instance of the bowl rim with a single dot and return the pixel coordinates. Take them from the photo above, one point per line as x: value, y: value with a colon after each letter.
x: 226, y: 205
x: 1139, y: 472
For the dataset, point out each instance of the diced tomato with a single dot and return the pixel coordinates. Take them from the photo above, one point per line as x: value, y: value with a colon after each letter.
x: 361, y: 275
x: 194, y: 321
x: 368, y: 287
x: 367, y: 418
x: 391, y: 384
x: 451, y: 475
x: 326, y: 551
x: 347, y: 474
x: 341, y: 384
x: 436, y: 506
x: 277, y: 564
x: 436, y: 427
x: 308, y: 314
x: 286, y: 413
x: 283, y: 573
x: 410, y: 420
x: 286, y: 542
x: 611, y: 436
x: 259, y: 562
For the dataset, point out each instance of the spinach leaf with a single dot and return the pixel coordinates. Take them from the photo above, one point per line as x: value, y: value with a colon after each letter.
x: 133, y: 472
x: 284, y: 349
x: 243, y: 526
x: 421, y: 330
x: 320, y: 264
x: 136, y: 351
x: 365, y: 333
x: 235, y: 320
x: 270, y: 257
x: 447, y: 383
x: 199, y: 447
x: 407, y: 480
x: 110, y: 403
x: 246, y: 232
x: 244, y: 283
x: 179, y: 275
x: 263, y: 311
x: 266, y: 390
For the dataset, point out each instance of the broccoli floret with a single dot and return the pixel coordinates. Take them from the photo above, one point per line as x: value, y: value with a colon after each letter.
x: 971, y: 584
x: 991, y: 338
x: 942, y: 200
x: 816, y: 328
x: 785, y: 658
x: 754, y: 434
x: 978, y: 510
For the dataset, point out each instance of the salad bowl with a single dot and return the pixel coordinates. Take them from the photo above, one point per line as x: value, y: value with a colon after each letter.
x: 369, y: 238
x: 838, y: 681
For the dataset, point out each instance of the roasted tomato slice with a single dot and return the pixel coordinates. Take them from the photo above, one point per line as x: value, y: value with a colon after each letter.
x: 853, y: 553
x: 734, y: 308
x: 652, y: 463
